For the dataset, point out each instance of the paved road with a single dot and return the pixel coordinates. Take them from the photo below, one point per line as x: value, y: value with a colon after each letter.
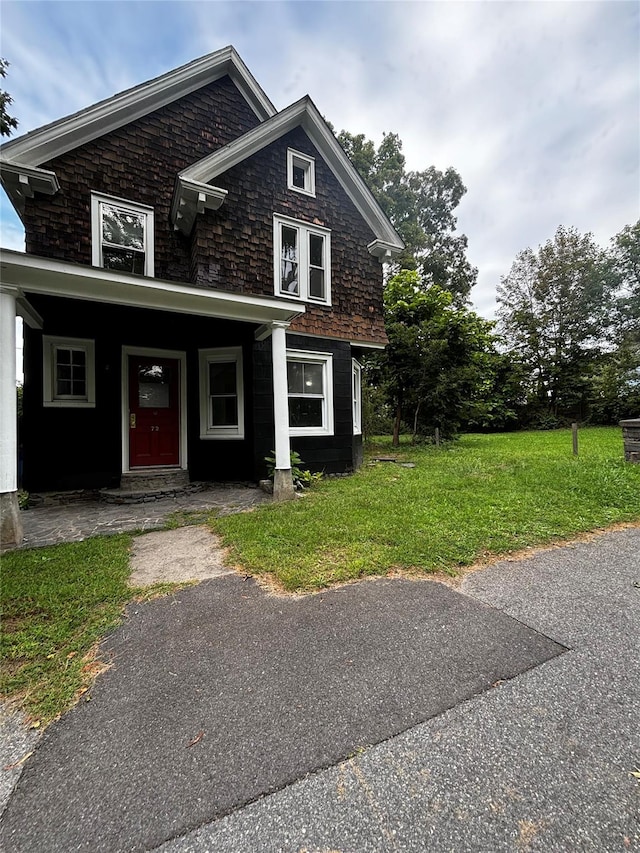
x: 235, y: 721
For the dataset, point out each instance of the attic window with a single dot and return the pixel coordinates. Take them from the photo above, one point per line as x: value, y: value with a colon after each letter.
x: 301, y: 172
x: 122, y: 235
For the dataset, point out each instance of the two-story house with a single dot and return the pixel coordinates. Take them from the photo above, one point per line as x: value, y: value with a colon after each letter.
x: 202, y: 275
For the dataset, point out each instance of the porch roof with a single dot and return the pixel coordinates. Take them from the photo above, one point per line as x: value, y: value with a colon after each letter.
x: 33, y: 274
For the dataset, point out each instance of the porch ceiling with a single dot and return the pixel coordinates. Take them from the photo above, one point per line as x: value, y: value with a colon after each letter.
x: 33, y: 274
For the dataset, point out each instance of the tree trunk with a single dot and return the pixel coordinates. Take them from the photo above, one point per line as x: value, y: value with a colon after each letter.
x: 415, y: 422
x: 396, y: 425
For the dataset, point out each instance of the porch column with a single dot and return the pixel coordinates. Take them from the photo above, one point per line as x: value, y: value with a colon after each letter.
x: 10, y: 520
x: 282, y: 482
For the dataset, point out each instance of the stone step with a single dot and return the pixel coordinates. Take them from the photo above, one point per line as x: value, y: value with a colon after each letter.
x: 153, y: 480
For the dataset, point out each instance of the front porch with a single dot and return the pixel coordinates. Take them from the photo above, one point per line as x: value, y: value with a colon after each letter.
x: 83, y: 438
x: 73, y: 522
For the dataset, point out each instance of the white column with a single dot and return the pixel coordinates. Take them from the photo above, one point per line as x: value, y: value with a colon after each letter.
x: 10, y: 522
x: 282, y: 483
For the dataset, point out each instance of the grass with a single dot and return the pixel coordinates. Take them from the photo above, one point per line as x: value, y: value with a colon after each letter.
x: 463, y: 502
x: 57, y: 603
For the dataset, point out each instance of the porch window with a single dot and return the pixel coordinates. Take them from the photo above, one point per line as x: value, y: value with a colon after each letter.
x: 301, y: 175
x: 68, y: 372
x: 356, y: 391
x: 302, y: 260
x: 221, y: 393
x: 310, y: 392
x: 122, y: 235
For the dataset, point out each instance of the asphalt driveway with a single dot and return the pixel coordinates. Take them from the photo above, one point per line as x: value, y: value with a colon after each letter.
x: 386, y: 715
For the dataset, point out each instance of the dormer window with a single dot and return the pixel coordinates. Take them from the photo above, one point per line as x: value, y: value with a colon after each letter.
x: 301, y: 172
x: 122, y: 235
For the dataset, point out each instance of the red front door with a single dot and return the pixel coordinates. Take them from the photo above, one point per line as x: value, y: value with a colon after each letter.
x: 154, y: 411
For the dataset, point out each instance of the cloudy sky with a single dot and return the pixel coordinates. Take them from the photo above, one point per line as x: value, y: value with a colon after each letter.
x: 536, y: 104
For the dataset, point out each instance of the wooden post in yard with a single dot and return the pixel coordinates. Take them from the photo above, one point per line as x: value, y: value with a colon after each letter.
x: 574, y: 430
x: 437, y: 437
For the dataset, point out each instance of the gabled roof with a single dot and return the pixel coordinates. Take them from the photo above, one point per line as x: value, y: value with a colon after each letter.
x: 68, y: 133
x: 20, y: 157
x: 304, y: 114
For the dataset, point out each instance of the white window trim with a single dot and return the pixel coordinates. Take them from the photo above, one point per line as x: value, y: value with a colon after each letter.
x: 97, y: 199
x: 326, y: 360
x: 356, y: 392
x: 304, y: 230
x: 207, y: 357
x: 49, y: 346
x: 308, y: 164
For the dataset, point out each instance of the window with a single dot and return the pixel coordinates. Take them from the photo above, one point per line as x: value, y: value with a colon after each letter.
x: 68, y: 372
x: 122, y: 235
x: 302, y: 261
x: 310, y: 390
x: 301, y: 172
x: 356, y: 392
x: 221, y: 393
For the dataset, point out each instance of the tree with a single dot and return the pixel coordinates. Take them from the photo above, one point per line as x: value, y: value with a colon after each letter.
x: 7, y: 122
x: 439, y: 359
x: 421, y: 206
x: 554, y: 308
x: 625, y: 257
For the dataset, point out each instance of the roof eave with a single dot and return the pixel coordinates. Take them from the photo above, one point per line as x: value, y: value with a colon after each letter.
x: 46, y: 143
x: 33, y: 274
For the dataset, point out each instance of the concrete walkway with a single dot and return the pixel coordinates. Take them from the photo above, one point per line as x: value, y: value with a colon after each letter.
x: 388, y: 715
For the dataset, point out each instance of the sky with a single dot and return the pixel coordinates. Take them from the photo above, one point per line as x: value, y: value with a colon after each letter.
x: 535, y: 104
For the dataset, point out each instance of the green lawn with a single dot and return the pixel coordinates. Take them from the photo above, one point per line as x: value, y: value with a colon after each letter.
x: 483, y: 495
x: 57, y: 603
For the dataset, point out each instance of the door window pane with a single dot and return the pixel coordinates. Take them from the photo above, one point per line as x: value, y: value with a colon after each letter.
x: 153, y: 386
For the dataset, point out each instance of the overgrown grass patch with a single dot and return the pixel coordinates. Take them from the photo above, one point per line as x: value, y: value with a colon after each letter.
x: 464, y: 501
x: 57, y: 603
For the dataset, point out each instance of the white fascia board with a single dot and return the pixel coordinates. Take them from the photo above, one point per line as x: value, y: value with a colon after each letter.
x: 32, y: 274
x: 42, y: 145
x: 302, y: 113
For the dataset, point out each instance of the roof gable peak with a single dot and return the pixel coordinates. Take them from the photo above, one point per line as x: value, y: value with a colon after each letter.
x: 59, y: 137
x: 302, y: 113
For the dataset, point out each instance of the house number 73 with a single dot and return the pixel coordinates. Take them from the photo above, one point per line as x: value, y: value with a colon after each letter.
x: 155, y: 429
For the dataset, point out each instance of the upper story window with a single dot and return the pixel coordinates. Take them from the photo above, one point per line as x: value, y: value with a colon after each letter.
x: 301, y: 172
x: 122, y: 235
x: 302, y: 260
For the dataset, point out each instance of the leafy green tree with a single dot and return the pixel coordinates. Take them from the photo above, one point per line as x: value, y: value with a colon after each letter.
x: 625, y: 257
x: 555, y: 309
x: 421, y: 206
x: 440, y: 358
x: 7, y: 122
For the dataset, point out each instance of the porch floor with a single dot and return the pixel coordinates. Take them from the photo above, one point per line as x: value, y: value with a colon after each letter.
x: 71, y: 523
